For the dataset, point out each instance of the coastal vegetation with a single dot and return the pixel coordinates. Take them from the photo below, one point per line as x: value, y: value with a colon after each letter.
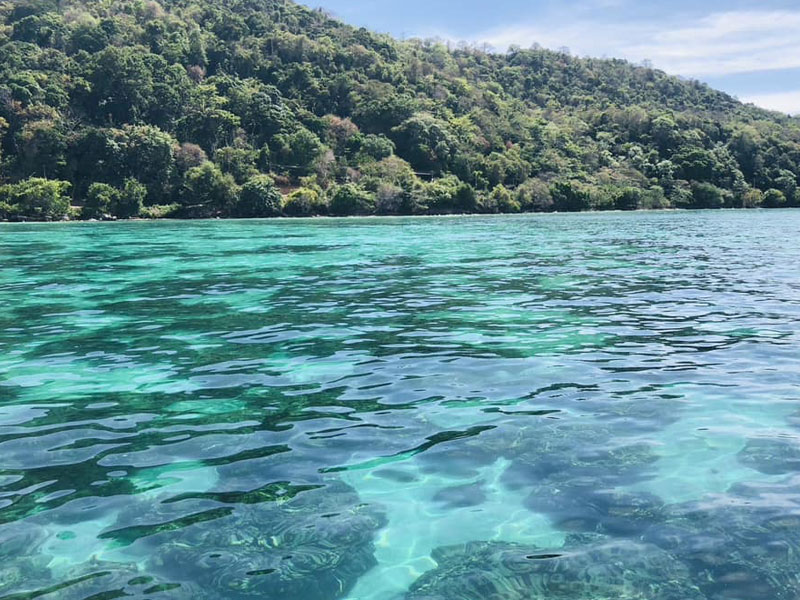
x: 261, y: 108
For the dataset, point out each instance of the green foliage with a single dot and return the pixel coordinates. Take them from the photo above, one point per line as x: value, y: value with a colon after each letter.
x: 148, y: 154
x: 238, y: 162
x: 161, y: 211
x: 104, y: 92
x: 3, y: 131
x: 752, y: 198
x: 465, y: 199
x: 426, y: 142
x: 304, y: 202
x: 501, y: 200
x: 7, y: 211
x: 570, y: 196
x: 121, y: 83
x: 46, y: 30
x: 258, y: 198
x: 130, y: 200
x: 349, y: 200
x: 628, y: 199
x: 37, y: 199
x: 534, y: 196
x: 774, y: 199
x: 372, y: 147
x: 298, y: 150
x: 441, y: 195
x: 41, y: 148
x: 100, y: 201
x: 208, y: 192
x: 706, y: 195
x: 506, y: 168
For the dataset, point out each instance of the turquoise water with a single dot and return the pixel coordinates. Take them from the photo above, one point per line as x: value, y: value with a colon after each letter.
x: 561, y: 406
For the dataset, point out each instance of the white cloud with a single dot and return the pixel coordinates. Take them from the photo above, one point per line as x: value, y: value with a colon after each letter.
x: 785, y: 102
x: 718, y: 44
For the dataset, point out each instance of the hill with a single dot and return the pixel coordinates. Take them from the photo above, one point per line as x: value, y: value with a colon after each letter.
x: 247, y: 108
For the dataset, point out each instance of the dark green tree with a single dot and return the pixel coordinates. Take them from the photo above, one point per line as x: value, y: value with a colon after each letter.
x: 298, y: 150
x: 628, y: 199
x: 101, y: 200
x: 258, y: 198
x: 465, y: 200
x: 130, y: 199
x: 350, y: 200
x: 774, y: 199
x: 569, y: 196
x: 208, y: 192
x: 706, y: 195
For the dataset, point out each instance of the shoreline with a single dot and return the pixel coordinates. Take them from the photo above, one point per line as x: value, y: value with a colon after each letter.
x: 387, y: 217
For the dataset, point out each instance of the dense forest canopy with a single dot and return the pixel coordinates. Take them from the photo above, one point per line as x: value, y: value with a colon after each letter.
x: 252, y: 108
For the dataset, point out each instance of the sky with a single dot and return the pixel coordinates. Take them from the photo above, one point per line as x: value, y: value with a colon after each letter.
x: 748, y: 48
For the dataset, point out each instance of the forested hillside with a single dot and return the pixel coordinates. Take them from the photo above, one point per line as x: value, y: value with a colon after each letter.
x: 250, y: 108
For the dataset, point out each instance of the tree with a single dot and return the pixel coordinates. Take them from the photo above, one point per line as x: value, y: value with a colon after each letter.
x: 465, y: 200
x: 786, y: 182
x: 340, y: 132
x: 695, y: 164
x: 39, y: 199
x: 665, y: 133
x: 129, y: 200
x: 208, y: 192
x: 46, y: 29
x: 299, y: 149
x: 744, y: 145
x: 95, y: 154
x: 752, y: 198
x: 88, y: 35
x: 303, y: 202
x: 426, y: 142
x: 534, y: 195
x: 628, y: 199
x: 258, y: 198
x: 774, y: 199
x: 706, y: 195
x: 349, y: 200
x: 149, y: 156
x: 188, y: 156
x: 506, y: 168
x: 569, y: 196
x: 197, y: 49
x: 441, y: 194
x: 42, y: 147
x: 390, y: 199
x: 121, y: 85
x: 372, y: 147
x: 206, y: 120
x: 3, y: 131
x: 393, y: 170
x: 100, y: 201
x: 238, y: 162
x: 501, y: 200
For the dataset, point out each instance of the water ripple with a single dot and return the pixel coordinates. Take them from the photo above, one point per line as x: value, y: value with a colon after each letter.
x: 410, y: 390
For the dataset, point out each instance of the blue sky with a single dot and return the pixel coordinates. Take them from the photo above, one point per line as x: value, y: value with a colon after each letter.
x: 748, y: 48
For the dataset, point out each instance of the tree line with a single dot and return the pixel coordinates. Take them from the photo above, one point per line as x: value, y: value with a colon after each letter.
x: 260, y: 108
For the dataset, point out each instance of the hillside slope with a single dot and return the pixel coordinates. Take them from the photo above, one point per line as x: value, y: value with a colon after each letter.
x: 199, y: 108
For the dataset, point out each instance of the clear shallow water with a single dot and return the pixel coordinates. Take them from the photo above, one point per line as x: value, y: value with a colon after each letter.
x: 323, y: 409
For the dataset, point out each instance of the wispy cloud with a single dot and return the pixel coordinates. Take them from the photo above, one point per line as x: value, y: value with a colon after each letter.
x: 718, y: 44
x: 785, y: 102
